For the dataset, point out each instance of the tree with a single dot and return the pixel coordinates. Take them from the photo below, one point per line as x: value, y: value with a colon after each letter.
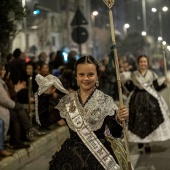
x: 11, y: 14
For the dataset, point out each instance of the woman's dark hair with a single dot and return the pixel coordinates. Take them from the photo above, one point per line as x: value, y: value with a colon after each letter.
x: 17, y: 52
x: 138, y: 59
x: 44, y: 64
x: 86, y: 60
x: 31, y: 63
x: 59, y: 59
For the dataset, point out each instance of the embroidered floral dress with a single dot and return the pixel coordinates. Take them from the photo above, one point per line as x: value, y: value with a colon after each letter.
x: 148, y: 113
x: 98, y: 111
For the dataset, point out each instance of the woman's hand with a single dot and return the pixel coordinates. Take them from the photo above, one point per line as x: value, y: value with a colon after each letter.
x: 122, y: 114
x: 19, y: 86
x: 51, y: 90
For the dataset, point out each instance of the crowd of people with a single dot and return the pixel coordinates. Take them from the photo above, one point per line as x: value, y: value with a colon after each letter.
x: 92, y: 94
x: 17, y: 101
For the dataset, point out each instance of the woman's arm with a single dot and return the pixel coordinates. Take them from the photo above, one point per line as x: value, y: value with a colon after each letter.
x: 129, y: 85
x: 114, y: 122
x: 114, y: 127
x: 5, y: 100
x: 157, y: 86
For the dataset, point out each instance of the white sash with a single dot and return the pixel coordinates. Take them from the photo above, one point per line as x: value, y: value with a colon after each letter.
x: 90, y: 139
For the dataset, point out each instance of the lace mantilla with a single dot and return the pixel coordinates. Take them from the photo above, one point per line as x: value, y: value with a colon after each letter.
x: 94, y: 112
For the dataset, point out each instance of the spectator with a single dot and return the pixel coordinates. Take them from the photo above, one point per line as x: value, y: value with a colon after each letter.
x: 59, y: 60
x: 41, y: 59
x: 17, y: 67
x: 4, y: 117
x: 22, y: 96
x: 13, y: 113
x: 52, y: 61
x: 71, y: 60
x: 44, y: 70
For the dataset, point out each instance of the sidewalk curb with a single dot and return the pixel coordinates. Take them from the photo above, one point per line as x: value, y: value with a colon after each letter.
x: 24, y: 156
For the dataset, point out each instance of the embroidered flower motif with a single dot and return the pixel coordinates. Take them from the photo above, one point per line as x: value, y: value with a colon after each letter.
x: 72, y: 108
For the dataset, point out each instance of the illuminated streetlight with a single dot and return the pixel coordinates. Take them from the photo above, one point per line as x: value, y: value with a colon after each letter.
x: 143, y: 33
x: 25, y: 26
x: 34, y: 27
x: 164, y: 9
x: 94, y: 13
x: 95, y: 43
x: 144, y: 14
x: 154, y: 10
x: 168, y: 47
x: 125, y: 27
x: 159, y: 38
x: 163, y: 42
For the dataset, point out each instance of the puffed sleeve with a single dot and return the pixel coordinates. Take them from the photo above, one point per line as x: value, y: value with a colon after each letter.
x: 114, y: 127
x: 47, y: 117
x: 157, y: 86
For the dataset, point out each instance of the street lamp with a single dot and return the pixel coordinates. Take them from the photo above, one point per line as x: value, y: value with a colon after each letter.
x: 144, y: 14
x: 168, y: 47
x: 143, y: 33
x: 164, y: 9
x: 159, y: 38
x: 25, y: 26
x: 95, y: 43
x: 94, y: 13
x: 163, y: 42
x: 125, y: 27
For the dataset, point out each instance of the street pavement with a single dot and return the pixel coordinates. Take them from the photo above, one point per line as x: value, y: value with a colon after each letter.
x: 38, y: 154
x: 158, y: 159
x: 41, y: 151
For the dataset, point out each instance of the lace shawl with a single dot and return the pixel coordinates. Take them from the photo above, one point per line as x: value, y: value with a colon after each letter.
x: 94, y: 112
x: 148, y: 79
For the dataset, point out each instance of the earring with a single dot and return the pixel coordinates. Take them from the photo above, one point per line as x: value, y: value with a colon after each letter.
x: 97, y: 83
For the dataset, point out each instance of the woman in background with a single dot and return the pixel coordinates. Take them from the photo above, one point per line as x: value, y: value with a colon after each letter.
x: 148, y: 112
